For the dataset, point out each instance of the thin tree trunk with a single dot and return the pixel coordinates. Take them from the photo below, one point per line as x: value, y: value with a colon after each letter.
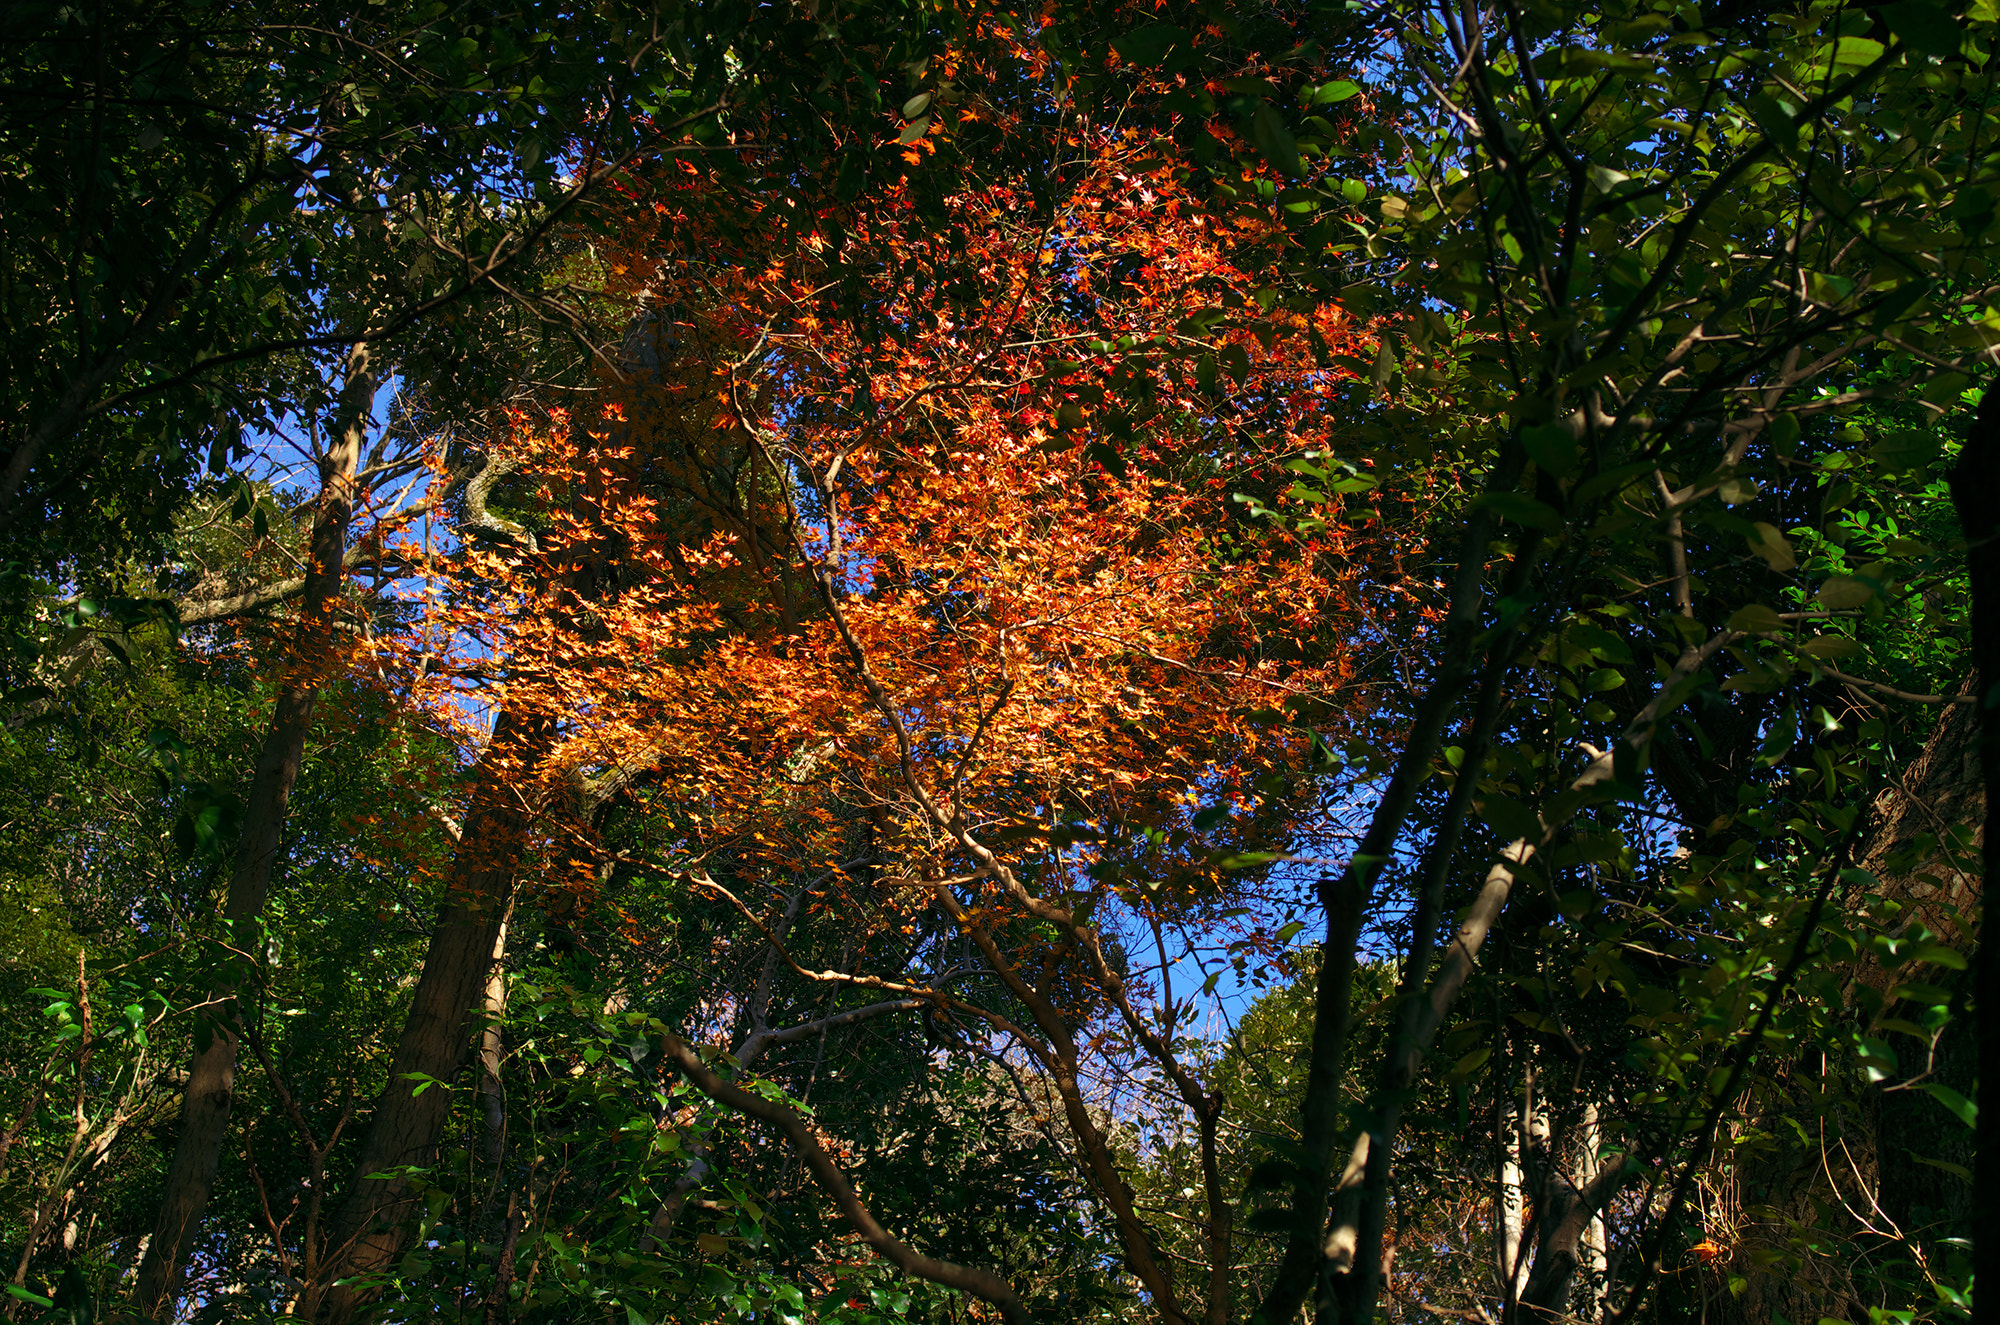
x: 410, y: 1117
x: 492, y: 1049
x: 211, y: 1084
x: 1510, y: 1249
x: 1595, y: 1254
x: 503, y: 1268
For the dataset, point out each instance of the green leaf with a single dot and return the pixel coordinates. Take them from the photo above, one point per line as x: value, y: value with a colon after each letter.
x: 1854, y: 52
x: 1600, y: 642
x: 1605, y: 178
x: 1772, y: 546
x: 1962, y: 1108
x: 1939, y: 955
x: 1270, y: 1220
x: 1551, y: 447
x: 1149, y: 45
x: 1472, y: 1062
x: 1907, y: 449
x: 1842, y: 592
x: 1958, y: 1171
x: 1928, y: 29
x: 916, y: 105
x: 914, y: 130
x: 1328, y: 93
x: 1385, y: 364
x: 1509, y: 819
x: 1274, y: 141
x: 1603, y: 679
x: 1897, y: 303
x: 1235, y: 361
x: 1773, y: 119
x: 1521, y: 509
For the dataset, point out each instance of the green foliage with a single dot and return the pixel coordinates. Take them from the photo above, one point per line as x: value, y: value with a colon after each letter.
x: 115, y: 864
x: 1688, y: 305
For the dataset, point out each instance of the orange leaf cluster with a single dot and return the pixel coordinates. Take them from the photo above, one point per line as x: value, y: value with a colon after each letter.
x: 927, y: 523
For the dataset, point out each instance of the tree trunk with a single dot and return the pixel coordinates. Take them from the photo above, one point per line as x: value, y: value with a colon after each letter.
x: 492, y: 1050
x: 1510, y: 1250
x: 1863, y: 1166
x: 1973, y: 485
x: 410, y: 1117
x: 1918, y: 1142
x: 1595, y: 1251
x: 211, y: 1084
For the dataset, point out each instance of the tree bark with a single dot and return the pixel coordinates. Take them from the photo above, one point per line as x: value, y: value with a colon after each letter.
x: 211, y: 1084
x: 492, y: 1050
x: 1975, y: 483
x: 1511, y: 1249
x: 1865, y: 1161
x: 1569, y: 1204
x: 1915, y: 1136
x: 410, y: 1116
x: 1594, y: 1250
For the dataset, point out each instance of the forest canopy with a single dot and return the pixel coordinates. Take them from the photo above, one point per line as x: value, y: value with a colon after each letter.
x: 888, y: 663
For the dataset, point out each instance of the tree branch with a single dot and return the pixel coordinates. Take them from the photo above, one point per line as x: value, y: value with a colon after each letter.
x: 982, y: 1284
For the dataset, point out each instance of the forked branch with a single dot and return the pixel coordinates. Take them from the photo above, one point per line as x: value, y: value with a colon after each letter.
x: 982, y: 1284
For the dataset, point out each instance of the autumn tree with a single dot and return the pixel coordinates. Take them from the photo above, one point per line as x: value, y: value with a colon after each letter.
x: 872, y: 598
x: 386, y: 230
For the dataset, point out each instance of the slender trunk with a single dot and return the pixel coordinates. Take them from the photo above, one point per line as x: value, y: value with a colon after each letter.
x: 1359, y: 1248
x: 1510, y: 1250
x: 211, y: 1083
x: 410, y: 1117
x: 1303, y: 1271
x: 503, y: 1269
x: 1595, y: 1255
x: 492, y: 1049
